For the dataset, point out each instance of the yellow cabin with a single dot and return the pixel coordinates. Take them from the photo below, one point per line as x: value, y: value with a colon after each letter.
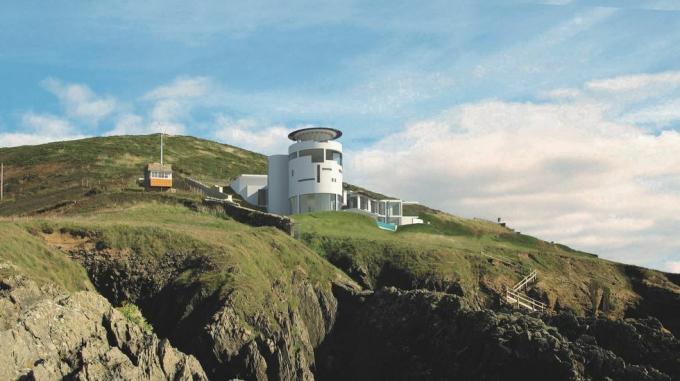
x: 158, y: 176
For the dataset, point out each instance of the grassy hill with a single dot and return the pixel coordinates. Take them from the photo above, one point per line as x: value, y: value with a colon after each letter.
x: 51, y: 175
x: 87, y: 188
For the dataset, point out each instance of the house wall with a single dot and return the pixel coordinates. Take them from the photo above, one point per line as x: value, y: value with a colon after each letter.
x: 248, y: 185
x: 277, y: 184
x: 308, y: 177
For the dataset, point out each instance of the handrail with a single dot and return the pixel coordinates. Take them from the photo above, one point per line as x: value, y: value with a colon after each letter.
x: 513, y: 295
x: 525, y: 281
x: 525, y: 301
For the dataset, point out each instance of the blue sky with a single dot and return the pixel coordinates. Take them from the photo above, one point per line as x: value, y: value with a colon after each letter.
x: 560, y: 116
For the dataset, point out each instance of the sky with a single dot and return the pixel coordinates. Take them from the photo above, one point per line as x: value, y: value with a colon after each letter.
x: 561, y: 117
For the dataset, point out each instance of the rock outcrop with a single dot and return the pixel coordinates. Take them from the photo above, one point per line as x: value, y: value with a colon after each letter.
x: 406, y: 335
x: 47, y: 333
x: 274, y: 340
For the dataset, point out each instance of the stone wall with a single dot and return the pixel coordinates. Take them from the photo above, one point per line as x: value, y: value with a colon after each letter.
x: 251, y: 216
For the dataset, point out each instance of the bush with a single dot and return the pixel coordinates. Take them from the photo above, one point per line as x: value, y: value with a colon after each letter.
x: 133, y: 314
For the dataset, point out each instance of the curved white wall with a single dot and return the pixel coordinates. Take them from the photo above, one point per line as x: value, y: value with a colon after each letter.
x: 308, y: 177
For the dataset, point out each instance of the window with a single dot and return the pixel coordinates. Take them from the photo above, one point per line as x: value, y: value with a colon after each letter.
x: 394, y: 208
x: 381, y: 208
x: 292, y: 156
x: 262, y: 197
x: 318, y: 173
x: 307, y: 179
x: 315, y: 153
x: 161, y: 175
x: 317, y: 202
x: 353, y: 202
x: 334, y: 156
x: 292, y: 172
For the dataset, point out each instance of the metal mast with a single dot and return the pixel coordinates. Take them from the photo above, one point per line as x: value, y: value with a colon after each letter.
x: 2, y: 181
x: 161, y: 148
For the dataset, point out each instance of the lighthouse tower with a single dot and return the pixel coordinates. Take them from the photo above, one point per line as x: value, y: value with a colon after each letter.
x: 309, y: 178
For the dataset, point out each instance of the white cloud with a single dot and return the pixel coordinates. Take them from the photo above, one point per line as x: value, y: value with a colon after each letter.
x: 252, y: 135
x: 38, y: 129
x: 673, y: 266
x: 80, y: 101
x: 563, y: 170
x: 181, y: 88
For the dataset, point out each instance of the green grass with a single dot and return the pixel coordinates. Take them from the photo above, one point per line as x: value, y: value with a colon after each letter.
x: 134, y: 315
x: 253, y: 267
x: 31, y: 257
x: 41, y: 176
x: 474, y: 254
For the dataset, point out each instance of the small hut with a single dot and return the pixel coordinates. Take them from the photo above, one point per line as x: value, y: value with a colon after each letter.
x: 158, y: 177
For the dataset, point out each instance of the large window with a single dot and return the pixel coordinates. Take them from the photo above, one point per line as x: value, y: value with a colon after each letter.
x: 353, y: 202
x: 292, y: 156
x: 394, y: 208
x: 334, y: 156
x: 316, y: 154
x: 319, y: 202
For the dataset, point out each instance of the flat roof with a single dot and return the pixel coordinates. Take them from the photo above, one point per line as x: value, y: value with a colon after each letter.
x: 318, y: 134
x: 159, y: 167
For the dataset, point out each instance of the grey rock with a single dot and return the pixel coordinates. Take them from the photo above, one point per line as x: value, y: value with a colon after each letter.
x: 50, y: 334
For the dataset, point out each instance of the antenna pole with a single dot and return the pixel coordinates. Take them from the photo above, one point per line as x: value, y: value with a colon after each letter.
x: 161, y: 148
x: 2, y: 181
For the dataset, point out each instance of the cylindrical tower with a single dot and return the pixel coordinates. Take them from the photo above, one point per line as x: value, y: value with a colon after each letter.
x: 315, y: 170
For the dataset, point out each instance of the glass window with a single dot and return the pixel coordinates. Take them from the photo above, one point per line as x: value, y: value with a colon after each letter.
x: 353, y: 202
x: 316, y: 154
x: 316, y: 202
x: 395, y: 208
x: 364, y: 203
x: 334, y: 156
x: 292, y: 156
x: 381, y: 207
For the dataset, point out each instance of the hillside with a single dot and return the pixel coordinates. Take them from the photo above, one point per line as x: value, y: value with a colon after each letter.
x: 254, y: 303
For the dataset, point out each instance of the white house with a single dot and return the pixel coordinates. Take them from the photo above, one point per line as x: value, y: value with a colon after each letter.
x: 309, y: 179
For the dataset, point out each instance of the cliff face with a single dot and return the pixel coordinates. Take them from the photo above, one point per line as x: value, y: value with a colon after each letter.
x: 406, y: 335
x: 231, y: 335
x: 48, y: 333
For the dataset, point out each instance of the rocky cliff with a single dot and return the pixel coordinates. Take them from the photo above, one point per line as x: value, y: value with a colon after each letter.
x: 409, y: 335
x: 48, y: 333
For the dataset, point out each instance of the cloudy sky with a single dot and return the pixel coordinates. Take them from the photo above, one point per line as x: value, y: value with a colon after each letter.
x: 562, y: 117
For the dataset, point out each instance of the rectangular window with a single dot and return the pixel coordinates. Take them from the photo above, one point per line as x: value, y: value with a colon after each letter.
x: 318, y: 173
x: 292, y: 172
x: 307, y: 179
x: 326, y: 169
x: 315, y: 153
x: 395, y: 208
x: 292, y: 156
x: 334, y: 156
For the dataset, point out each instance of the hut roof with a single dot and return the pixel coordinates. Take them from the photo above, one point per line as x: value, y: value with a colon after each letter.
x: 158, y: 167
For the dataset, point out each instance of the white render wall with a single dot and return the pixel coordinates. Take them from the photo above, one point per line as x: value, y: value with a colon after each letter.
x: 277, y: 189
x: 330, y: 172
x: 248, y: 185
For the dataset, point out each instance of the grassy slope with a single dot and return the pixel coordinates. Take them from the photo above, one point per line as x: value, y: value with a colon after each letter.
x: 479, y: 255
x: 30, y: 256
x: 41, y: 176
x: 246, y: 262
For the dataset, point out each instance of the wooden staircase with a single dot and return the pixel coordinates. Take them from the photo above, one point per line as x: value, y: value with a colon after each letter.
x: 516, y: 297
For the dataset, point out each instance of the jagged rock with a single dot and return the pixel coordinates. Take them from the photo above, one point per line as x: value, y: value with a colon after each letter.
x: 50, y: 334
x: 400, y: 335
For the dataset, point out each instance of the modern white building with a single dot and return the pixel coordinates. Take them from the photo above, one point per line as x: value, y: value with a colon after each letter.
x: 309, y: 179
